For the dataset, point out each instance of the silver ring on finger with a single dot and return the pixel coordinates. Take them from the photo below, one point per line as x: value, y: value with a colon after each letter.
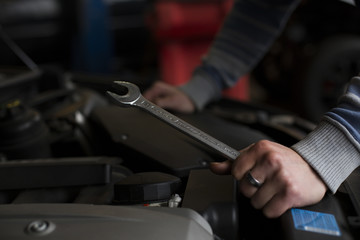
x: 253, y: 181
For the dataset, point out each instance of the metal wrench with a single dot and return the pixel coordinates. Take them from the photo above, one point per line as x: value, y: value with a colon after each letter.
x: 133, y: 97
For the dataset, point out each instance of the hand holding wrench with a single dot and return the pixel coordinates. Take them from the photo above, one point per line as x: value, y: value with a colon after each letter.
x: 133, y: 97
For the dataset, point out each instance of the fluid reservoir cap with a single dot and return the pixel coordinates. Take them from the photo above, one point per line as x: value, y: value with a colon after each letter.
x: 18, y: 122
x: 146, y: 187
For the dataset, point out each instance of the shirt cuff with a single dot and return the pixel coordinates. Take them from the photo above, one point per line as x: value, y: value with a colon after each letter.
x: 201, y: 91
x: 331, y: 151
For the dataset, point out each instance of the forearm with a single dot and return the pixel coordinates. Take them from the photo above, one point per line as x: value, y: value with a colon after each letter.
x: 331, y: 152
x: 333, y: 148
x: 248, y: 32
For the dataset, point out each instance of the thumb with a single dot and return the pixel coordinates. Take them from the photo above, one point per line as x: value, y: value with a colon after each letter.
x: 221, y: 167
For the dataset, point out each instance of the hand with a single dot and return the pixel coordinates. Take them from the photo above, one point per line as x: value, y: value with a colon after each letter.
x: 287, y: 180
x: 169, y: 97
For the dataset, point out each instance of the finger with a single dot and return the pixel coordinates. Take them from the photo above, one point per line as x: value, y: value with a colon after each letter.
x: 221, y: 167
x: 158, y: 89
x: 246, y: 188
x: 150, y: 94
x: 266, y: 174
x: 287, y: 194
x: 163, y: 87
x: 264, y: 194
x: 277, y: 206
x: 168, y: 101
x: 176, y: 100
x: 244, y: 162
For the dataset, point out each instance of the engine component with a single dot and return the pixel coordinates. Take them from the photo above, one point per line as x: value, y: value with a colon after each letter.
x: 82, y: 221
x: 146, y: 187
x: 24, y: 134
x: 46, y: 173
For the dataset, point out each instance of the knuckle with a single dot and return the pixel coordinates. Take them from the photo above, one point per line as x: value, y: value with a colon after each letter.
x: 273, y: 159
x: 270, y: 156
x: 262, y: 145
x: 291, y: 189
x: 284, y: 176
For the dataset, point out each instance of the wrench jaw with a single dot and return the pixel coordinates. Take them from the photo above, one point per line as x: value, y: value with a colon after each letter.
x: 130, y: 93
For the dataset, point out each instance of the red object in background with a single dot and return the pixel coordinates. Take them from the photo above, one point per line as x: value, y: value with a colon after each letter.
x: 184, y: 32
x: 188, y: 20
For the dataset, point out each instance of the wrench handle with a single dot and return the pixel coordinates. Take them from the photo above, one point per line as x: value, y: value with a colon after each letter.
x: 186, y: 128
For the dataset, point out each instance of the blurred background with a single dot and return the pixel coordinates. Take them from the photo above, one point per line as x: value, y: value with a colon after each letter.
x: 144, y: 41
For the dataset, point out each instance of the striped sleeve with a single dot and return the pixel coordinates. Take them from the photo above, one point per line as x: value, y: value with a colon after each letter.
x: 333, y: 148
x: 248, y: 32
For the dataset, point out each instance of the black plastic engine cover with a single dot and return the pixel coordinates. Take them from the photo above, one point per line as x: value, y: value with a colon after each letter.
x: 161, y: 145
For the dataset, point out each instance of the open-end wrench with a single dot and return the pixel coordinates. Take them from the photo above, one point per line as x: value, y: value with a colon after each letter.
x: 133, y: 97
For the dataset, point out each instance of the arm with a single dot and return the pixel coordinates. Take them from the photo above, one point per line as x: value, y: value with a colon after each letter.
x: 333, y: 148
x: 300, y: 175
x: 248, y: 32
